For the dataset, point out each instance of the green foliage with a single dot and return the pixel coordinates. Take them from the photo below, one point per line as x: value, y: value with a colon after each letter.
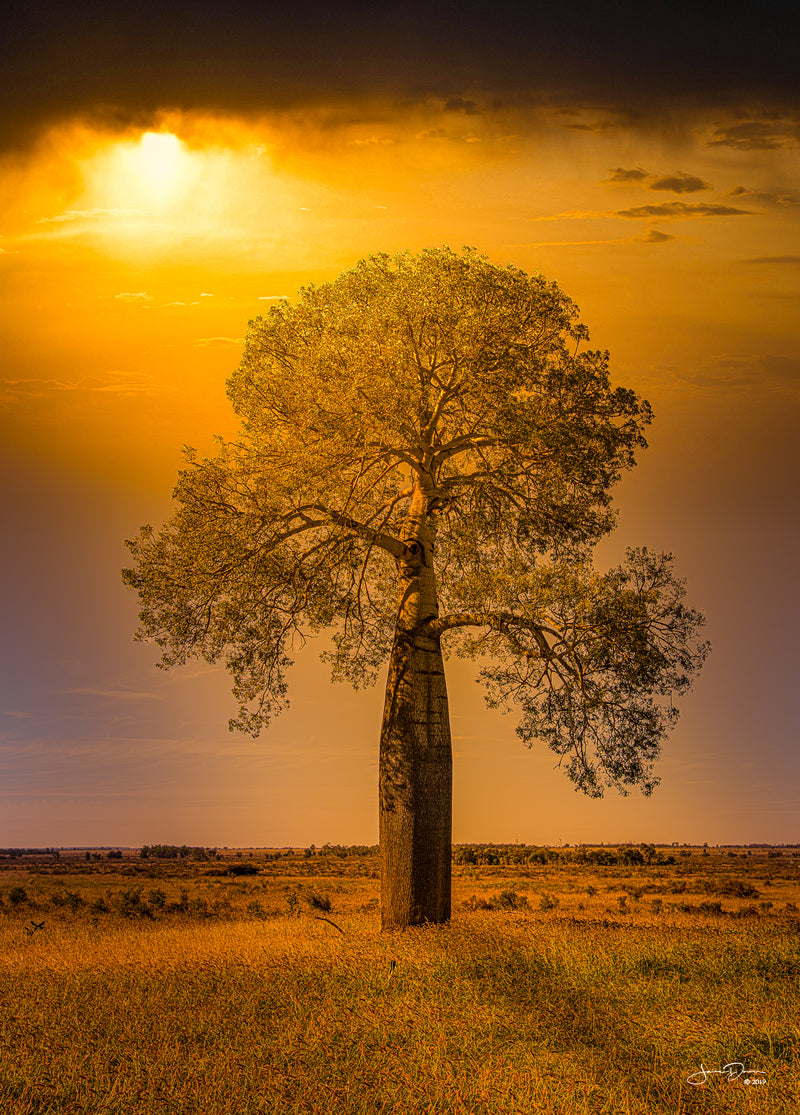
x: 425, y: 397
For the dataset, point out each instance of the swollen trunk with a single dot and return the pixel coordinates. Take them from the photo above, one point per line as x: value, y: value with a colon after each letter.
x: 415, y: 777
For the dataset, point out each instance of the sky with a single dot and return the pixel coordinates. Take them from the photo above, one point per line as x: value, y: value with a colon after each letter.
x: 167, y: 172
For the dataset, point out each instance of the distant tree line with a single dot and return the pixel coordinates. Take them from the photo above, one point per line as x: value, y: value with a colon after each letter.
x: 341, y: 850
x: 175, y: 851
x: 491, y: 854
x: 17, y: 853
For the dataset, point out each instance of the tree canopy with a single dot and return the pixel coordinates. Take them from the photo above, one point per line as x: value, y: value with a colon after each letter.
x: 429, y: 408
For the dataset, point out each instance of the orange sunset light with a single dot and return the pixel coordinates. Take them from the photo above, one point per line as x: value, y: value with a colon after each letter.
x: 135, y: 249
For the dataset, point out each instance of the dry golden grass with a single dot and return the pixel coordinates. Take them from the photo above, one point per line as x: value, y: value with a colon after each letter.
x: 577, y: 1009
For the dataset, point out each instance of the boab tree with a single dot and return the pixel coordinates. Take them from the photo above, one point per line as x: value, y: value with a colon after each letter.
x: 425, y: 454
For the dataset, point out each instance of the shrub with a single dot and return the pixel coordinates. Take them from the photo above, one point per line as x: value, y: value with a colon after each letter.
x: 17, y: 896
x: 732, y: 888
x: 475, y: 903
x: 130, y: 904
x: 750, y: 911
x: 319, y: 902
x: 510, y: 900
x: 182, y: 905
x: 548, y: 902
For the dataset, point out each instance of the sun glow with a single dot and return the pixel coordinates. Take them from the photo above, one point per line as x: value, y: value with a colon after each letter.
x: 160, y: 159
x: 155, y: 169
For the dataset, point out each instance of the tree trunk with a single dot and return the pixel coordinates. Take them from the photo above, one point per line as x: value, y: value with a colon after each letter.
x: 416, y: 764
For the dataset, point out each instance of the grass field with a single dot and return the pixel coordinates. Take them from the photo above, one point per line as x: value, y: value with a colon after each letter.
x: 159, y: 987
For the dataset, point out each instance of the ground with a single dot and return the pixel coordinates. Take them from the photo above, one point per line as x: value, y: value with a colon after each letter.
x: 259, y: 981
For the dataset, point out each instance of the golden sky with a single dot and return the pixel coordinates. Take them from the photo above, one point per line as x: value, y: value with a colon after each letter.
x: 148, y: 213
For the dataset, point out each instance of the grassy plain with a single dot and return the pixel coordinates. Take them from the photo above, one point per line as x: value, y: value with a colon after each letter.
x: 144, y: 987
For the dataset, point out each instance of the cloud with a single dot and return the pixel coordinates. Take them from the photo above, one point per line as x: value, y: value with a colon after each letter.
x: 680, y: 183
x: 272, y: 297
x: 123, y: 384
x: 652, y: 237
x: 107, y: 61
x: 655, y: 237
x: 680, y: 210
x: 574, y: 215
x: 735, y: 371
x: 777, y: 201
x: 129, y: 296
x: 756, y: 135
x: 461, y: 104
x: 90, y: 215
x: 781, y: 261
x: 431, y: 133
x: 620, y: 174
x: 114, y: 694
x: 218, y: 342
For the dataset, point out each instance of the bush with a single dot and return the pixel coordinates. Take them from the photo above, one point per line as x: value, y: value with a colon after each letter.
x: 319, y: 902
x: 732, y: 888
x: 130, y: 904
x: 510, y: 900
x: 548, y: 902
x: 475, y: 903
x: 17, y: 896
x: 750, y: 911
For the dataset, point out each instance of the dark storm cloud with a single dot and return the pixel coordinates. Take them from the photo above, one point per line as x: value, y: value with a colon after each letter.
x: 460, y: 104
x: 681, y: 209
x: 123, y: 61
